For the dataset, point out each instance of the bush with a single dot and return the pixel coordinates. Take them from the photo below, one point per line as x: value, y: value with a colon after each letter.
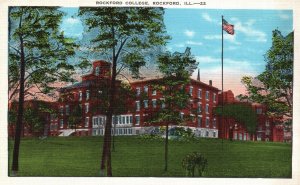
x: 194, y: 161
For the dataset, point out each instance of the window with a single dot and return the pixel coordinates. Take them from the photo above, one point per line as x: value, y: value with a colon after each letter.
x: 61, y: 123
x: 137, y: 120
x: 153, y: 92
x: 259, y: 110
x: 138, y: 106
x: 145, y: 104
x: 86, y: 122
x: 97, y: 71
x: 191, y: 91
x: 127, y: 119
x: 87, y: 95
x: 214, y: 123
x: 61, y: 110
x: 154, y: 103
x: 206, y: 133
x: 199, y: 108
x: 214, y: 134
x: 200, y: 93
x: 267, y: 123
x: 163, y: 105
x: 67, y: 109
x: 215, y: 97
x: 199, y: 121
x: 207, y: 95
x: 146, y: 89
x: 235, y: 136
x: 207, y: 122
x: 95, y: 122
x: 181, y: 115
x: 80, y: 96
x: 192, y: 117
x: 123, y: 119
x: 207, y: 108
x: 240, y: 136
x: 86, y: 108
x: 138, y: 91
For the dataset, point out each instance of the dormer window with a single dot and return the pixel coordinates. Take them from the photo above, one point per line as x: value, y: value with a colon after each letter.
x: 97, y: 71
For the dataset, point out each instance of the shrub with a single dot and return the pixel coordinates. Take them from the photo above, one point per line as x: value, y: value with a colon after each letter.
x: 194, y: 161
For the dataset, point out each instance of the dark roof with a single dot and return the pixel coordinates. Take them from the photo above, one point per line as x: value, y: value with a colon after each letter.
x: 192, y: 80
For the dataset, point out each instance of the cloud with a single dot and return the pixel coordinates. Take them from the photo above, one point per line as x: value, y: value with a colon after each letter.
x: 207, y: 59
x: 284, y: 16
x: 72, y: 21
x: 189, y: 33
x: 248, y: 28
x: 188, y: 43
x: 230, y: 38
x: 207, y: 17
x: 194, y: 43
x: 234, y: 70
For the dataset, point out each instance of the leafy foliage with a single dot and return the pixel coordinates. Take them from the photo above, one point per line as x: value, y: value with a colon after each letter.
x: 244, y: 114
x: 194, y: 161
x: 75, y: 116
x: 274, y: 86
x: 176, y: 68
x: 46, y: 49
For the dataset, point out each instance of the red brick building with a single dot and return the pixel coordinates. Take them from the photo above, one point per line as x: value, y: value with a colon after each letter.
x: 266, y: 130
x: 131, y: 121
x: 91, y: 95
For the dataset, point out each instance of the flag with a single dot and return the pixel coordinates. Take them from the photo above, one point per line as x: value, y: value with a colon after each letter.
x: 229, y: 28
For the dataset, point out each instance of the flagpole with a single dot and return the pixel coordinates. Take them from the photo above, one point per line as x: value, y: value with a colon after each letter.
x: 222, y: 120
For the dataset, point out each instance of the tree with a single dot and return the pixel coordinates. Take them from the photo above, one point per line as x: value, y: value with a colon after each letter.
x: 75, y: 116
x: 126, y: 35
x: 274, y: 86
x: 176, y: 69
x: 244, y: 114
x: 38, y: 54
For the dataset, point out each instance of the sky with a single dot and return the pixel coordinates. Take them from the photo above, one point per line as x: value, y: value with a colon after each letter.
x: 200, y: 29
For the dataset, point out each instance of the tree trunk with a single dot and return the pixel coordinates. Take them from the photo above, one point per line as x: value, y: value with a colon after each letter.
x: 166, y: 147
x: 106, y: 152
x: 19, y: 124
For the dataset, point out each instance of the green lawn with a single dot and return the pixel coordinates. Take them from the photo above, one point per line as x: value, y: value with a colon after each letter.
x: 80, y: 156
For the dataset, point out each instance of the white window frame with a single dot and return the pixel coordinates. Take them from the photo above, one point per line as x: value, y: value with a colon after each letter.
x: 215, y: 123
x: 154, y: 103
x: 86, y: 121
x: 199, y: 118
x: 153, y: 92
x: 137, y: 122
x: 146, y: 89
x: 199, y: 93
x: 199, y: 108
x: 146, y: 105
x: 214, y: 97
x: 138, y: 105
x: 207, y: 122
x: 86, y: 107
x: 207, y: 108
x: 207, y: 95
x: 138, y: 91
x: 191, y: 90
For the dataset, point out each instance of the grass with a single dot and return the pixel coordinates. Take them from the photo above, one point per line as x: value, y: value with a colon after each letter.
x: 135, y: 157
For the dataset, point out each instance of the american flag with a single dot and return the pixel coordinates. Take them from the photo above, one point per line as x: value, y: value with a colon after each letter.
x: 229, y: 28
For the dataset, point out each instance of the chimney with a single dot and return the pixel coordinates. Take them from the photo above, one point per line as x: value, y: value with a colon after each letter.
x: 198, y: 76
x: 210, y: 82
